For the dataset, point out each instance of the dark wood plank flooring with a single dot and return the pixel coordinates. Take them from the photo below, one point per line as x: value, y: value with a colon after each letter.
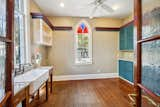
x: 89, y: 93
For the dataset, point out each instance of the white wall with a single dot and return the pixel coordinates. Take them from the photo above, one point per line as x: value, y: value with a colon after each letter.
x: 105, y: 47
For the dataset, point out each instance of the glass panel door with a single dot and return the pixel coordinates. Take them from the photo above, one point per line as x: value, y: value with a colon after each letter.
x: 151, y: 66
x: 2, y: 17
x: 2, y: 69
x: 6, y: 54
x: 151, y: 49
x: 150, y: 18
x: 147, y: 21
x: 2, y: 47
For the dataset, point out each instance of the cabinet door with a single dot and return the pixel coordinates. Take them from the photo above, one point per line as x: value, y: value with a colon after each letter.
x: 126, y: 70
x: 121, y: 68
x: 130, y: 37
x: 129, y: 71
x: 126, y: 38
x: 122, y: 39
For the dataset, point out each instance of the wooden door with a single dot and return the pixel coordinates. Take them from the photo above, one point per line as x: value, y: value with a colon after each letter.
x: 147, y: 25
x: 6, y: 51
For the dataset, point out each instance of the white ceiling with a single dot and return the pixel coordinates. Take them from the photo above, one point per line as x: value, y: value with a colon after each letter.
x: 80, y: 8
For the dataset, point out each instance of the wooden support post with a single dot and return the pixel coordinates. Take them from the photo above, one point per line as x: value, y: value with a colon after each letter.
x: 24, y: 103
x: 47, y: 90
x: 51, y: 83
x: 38, y: 94
x: 9, y: 51
x: 27, y: 97
x: 138, y: 26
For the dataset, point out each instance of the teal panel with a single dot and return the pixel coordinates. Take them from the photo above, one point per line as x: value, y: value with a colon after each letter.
x: 122, y: 39
x: 126, y: 37
x: 130, y: 37
x: 126, y: 70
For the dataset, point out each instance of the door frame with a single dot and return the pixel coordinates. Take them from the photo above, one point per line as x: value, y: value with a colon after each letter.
x: 138, y: 51
x: 9, y: 63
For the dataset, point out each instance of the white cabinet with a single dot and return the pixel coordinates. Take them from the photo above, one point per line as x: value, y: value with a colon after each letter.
x: 42, y: 33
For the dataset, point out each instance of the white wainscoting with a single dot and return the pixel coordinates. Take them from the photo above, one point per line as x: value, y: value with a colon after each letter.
x: 85, y: 76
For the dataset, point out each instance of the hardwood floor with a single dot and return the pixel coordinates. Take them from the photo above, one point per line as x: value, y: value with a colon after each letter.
x: 89, y: 93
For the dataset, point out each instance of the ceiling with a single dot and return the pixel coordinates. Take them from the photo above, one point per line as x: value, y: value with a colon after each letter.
x: 80, y: 8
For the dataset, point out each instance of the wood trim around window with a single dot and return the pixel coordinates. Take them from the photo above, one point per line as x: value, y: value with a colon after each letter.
x: 6, y: 97
x: 152, y: 38
x: 4, y: 39
x: 155, y: 97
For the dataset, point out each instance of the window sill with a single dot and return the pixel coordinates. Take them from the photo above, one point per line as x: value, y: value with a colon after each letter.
x: 83, y: 64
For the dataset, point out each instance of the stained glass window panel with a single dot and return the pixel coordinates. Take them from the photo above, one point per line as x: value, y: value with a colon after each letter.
x: 151, y: 18
x: 2, y: 69
x: 83, y: 44
x: 151, y: 66
x: 2, y: 17
x: 82, y: 28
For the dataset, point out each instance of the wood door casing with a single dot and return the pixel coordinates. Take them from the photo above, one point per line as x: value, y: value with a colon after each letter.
x: 138, y: 64
x: 9, y: 43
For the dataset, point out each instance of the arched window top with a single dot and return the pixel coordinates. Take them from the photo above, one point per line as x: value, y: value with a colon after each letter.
x: 83, y: 43
x: 82, y: 28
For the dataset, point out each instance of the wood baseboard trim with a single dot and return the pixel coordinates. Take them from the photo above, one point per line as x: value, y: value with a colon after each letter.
x: 85, y: 76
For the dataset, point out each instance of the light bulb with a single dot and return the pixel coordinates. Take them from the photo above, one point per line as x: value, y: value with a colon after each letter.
x: 62, y: 4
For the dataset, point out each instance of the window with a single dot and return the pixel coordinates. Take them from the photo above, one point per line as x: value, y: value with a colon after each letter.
x: 5, y: 51
x: 2, y: 17
x: 2, y: 70
x: 19, y: 32
x: 2, y: 47
x: 83, y: 43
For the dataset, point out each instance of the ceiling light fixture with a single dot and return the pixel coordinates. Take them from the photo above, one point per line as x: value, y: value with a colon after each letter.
x: 91, y: 17
x: 62, y: 4
x: 115, y: 7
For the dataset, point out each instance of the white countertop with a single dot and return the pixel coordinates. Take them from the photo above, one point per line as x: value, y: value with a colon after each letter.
x: 19, y: 86
x: 27, y: 78
x: 32, y: 75
x: 22, y: 81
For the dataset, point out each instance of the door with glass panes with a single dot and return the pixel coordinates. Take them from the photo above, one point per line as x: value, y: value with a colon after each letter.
x: 6, y: 51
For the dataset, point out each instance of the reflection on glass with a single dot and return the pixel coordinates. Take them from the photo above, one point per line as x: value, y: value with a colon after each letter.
x: 19, y: 38
x: 19, y: 5
x: 2, y: 69
x: 19, y: 30
x: 151, y: 66
x: 147, y: 101
x: 2, y: 17
x: 151, y: 18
